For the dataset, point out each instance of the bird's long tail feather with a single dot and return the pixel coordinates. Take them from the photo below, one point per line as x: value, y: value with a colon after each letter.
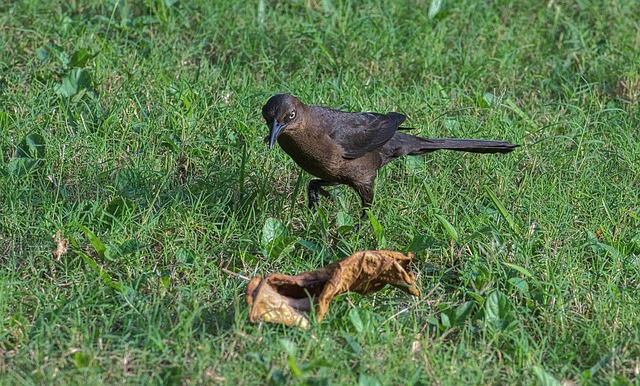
x: 426, y: 145
x: 402, y: 144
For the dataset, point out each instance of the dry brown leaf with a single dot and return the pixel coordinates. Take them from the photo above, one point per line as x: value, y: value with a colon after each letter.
x: 61, y: 245
x: 288, y: 299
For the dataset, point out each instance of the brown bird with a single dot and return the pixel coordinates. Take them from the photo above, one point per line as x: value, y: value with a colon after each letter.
x: 346, y: 148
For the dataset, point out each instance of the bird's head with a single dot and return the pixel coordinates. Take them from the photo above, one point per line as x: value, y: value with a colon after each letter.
x: 281, y: 111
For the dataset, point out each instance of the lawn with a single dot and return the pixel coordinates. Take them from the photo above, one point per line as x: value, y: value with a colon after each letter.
x: 137, y: 194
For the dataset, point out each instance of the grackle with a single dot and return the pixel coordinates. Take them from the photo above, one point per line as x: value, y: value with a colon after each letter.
x: 346, y: 148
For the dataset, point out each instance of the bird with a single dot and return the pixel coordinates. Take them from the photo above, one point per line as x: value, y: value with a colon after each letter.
x: 348, y: 148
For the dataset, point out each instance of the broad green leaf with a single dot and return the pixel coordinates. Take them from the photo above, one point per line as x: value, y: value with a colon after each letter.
x: 433, y: 320
x: 280, y: 244
x: 63, y: 57
x: 271, y: 230
x: 310, y: 246
x: 378, y: 230
x: 613, y: 251
x: 344, y: 219
x: 31, y: 146
x: 544, y: 377
x: 452, y: 124
x: 42, y: 54
x: 434, y: 8
x: 518, y: 268
x: 462, y: 312
x: 367, y: 380
x: 476, y: 296
x: 489, y: 100
x: 75, y: 81
x: 127, y: 247
x: 499, y: 312
x: 355, y: 347
x: 98, y: 245
x: 482, y: 102
x: 80, y: 58
x: 29, y: 153
x: 445, y: 320
x: 356, y: 320
x: 20, y: 166
x: 448, y: 227
x: 482, y: 276
x: 420, y: 243
x: 520, y: 284
x: 345, y: 222
x: 130, y: 246
x: 185, y: 256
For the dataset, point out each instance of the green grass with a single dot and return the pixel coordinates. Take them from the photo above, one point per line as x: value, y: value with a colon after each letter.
x: 134, y: 129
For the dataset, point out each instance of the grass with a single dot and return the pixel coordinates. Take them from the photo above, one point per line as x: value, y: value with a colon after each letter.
x: 133, y: 129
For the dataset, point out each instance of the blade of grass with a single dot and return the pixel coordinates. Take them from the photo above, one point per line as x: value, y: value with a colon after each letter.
x: 502, y: 210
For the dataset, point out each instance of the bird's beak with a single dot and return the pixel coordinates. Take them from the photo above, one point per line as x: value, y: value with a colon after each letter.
x: 276, y: 128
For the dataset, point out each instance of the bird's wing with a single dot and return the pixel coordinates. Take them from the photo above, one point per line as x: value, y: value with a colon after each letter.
x: 361, y: 133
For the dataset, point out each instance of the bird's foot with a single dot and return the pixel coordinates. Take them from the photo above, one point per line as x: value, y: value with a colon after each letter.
x: 315, y: 190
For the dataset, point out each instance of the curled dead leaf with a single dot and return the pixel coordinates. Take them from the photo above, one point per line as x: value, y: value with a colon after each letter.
x: 289, y: 299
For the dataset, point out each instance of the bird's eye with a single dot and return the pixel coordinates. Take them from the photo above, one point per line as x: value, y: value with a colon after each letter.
x: 292, y: 115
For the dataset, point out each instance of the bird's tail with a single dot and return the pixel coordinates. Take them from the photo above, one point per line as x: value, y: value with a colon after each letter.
x: 426, y: 145
x: 402, y: 144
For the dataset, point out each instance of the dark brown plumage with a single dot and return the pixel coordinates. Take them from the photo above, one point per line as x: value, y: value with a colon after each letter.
x: 348, y: 148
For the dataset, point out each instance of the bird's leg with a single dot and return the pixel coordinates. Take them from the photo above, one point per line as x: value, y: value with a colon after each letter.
x: 366, y: 196
x: 314, y: 190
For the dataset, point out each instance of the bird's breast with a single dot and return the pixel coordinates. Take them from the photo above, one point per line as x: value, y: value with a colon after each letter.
x: 314, y: 154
